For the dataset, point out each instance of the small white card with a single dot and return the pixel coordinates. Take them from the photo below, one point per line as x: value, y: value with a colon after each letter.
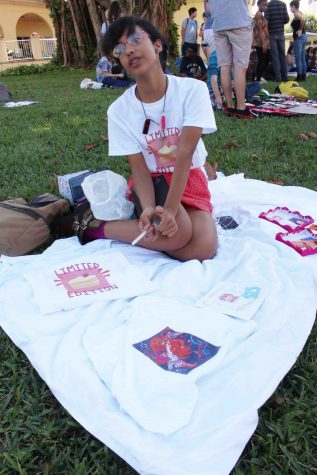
x: 235, y: 300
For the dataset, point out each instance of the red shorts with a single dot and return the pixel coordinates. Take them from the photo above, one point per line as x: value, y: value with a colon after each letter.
x: 196, y: 193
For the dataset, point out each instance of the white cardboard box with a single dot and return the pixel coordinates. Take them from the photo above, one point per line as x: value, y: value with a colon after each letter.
x: 63, y: 185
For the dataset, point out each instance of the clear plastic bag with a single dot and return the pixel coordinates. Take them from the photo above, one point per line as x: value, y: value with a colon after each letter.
x: 106, y: 192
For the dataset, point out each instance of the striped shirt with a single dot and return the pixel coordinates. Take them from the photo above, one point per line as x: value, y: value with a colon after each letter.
x: 276, y: 16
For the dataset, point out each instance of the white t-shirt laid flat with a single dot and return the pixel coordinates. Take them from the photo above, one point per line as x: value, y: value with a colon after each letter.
x: 151, y: 363
x: 87, y: 280
x: 187, y: 103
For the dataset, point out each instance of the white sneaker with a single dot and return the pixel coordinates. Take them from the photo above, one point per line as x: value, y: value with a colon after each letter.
x: 263, y: 80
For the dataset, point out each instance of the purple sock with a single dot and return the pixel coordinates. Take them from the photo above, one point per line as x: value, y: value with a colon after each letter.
x: 90, y: 234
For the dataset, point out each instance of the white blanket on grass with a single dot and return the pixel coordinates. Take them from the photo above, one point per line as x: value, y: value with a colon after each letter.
x: 224, y: 415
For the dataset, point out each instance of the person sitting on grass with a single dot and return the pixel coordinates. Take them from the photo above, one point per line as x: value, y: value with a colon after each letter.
x: 192, y: 65
x: 158, y: 124
x: 290, y: 59
x: 111, y: 74
x: 308, y: 57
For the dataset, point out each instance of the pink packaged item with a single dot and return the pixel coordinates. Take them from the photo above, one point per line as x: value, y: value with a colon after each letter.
x: 302, y: 240
x: 287, y: 219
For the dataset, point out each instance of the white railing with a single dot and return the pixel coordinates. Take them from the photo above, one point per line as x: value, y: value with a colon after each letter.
x: 48, y: 47
x: 19, y: 50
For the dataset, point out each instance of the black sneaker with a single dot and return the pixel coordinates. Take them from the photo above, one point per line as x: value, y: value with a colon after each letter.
x: 230, y: 110
x: 240, y: 113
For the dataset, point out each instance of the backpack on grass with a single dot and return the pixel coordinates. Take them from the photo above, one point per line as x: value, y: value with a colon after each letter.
x: 25, y: 226
x: 5, y: 95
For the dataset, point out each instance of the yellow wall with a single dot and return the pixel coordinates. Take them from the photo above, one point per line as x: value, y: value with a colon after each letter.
x: 35, y: 23
x: 182, y: 13
x: 37, y: 19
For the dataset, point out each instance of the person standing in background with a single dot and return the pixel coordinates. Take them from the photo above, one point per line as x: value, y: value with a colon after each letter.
x: 300, y: 40
x: 104, y: 25
x: 232, y: 29
x: 189, y: 32
x: 202, y: 26
x: 111, y: 14
x: 277, y: 16
x: 208, y: 42
x: 261, y: 39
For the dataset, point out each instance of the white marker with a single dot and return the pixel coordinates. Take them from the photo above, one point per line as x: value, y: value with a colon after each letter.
x: 141, y: 236
x: 138, y: 238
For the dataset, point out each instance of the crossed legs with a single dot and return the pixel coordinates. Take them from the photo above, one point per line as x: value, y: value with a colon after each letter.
x: 196, y: 237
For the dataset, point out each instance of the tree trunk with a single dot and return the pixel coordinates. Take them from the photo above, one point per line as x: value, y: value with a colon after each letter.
x: 94, y: 17
x: 76, y: 21
x: 77, y: 24
x: 128, y: 6
x: 95, y: 20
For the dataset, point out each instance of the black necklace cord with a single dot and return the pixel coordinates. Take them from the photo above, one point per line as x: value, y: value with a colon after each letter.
x: 147, y: 122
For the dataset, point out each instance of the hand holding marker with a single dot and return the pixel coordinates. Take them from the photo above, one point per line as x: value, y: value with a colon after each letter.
x: 140, y: 236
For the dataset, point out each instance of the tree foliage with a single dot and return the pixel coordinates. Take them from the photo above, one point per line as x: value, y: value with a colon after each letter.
x: 311, y: 23
x: 78, y: 24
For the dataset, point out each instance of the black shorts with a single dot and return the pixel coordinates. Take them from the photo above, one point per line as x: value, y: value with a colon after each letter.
x: 160, y: 189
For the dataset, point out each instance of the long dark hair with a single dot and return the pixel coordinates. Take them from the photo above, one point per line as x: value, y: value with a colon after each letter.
x: 115, y: 11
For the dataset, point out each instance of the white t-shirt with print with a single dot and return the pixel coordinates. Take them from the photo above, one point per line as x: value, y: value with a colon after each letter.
x: 187, y: 103
x: 87, y: 280
x: 152, y: 363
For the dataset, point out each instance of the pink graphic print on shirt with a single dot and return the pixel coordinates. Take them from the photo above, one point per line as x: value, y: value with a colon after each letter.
x: 226, y: 297
x: 163, y: 144
x: 83, y: 279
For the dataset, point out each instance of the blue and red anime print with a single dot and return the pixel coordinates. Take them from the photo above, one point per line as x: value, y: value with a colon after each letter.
x: 176, y: 351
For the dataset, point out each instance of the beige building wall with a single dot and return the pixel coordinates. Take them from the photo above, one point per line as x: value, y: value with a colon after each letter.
x: 21, y: 18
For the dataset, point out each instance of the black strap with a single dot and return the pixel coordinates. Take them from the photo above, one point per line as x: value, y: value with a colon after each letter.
x: 188, y: 21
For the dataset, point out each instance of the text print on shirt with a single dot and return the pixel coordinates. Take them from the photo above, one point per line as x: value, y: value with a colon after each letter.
x: 163, y: 144
x: 84, y: 279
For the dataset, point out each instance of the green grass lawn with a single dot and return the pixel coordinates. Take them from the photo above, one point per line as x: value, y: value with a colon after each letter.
x: 67, y: 132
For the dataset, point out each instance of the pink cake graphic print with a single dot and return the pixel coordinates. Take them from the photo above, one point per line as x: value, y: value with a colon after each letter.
x: 163, y: 144
x: 83, y: 279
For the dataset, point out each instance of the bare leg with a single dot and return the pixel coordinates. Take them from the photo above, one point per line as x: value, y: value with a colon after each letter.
x: 215, y: 89
x: 239, y: 84
x: 196, y: 237
x: 206, y: 51
x: 226, y: 83
x: 203, y: 244
x: 128, y: 230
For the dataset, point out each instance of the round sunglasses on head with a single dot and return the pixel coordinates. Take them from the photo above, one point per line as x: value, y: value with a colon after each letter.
x: 133, y: 40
